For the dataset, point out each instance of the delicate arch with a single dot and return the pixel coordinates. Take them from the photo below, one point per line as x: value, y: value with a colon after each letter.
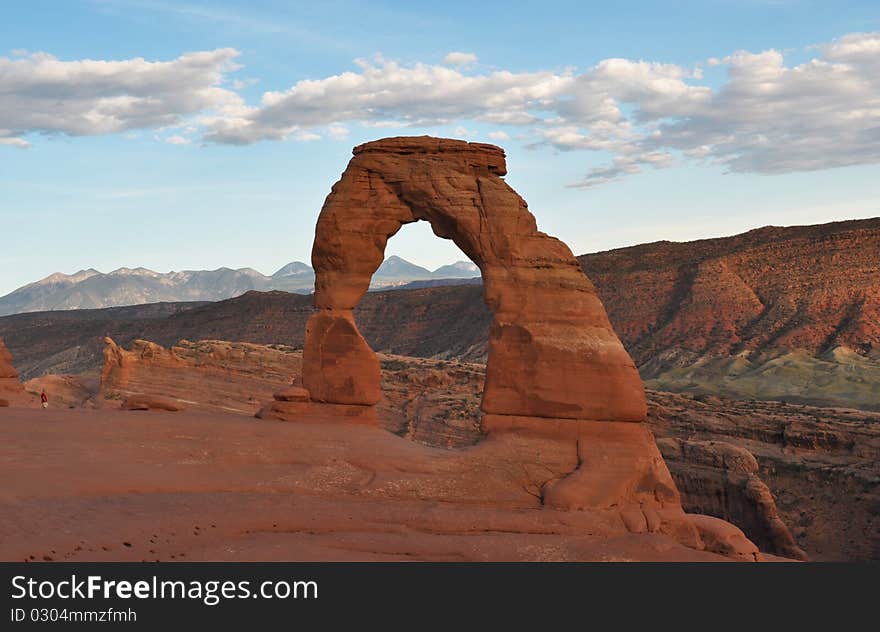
x: 552, y: 350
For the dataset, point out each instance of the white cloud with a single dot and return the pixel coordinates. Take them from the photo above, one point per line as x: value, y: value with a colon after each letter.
x: 177, y: 140
x: 624, y: 165
x: 772, y: 118
x: 13, y: 142
x: 419, y: 95
x: 765, y: 117
x: 459, y: 59
x: 42, y: 94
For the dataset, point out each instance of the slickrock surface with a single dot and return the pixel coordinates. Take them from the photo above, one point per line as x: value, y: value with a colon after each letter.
x: 818, y: 464
x: 721, y: 537
x: 114, y: 485
x: 67, y: 391
x: 552, y: 351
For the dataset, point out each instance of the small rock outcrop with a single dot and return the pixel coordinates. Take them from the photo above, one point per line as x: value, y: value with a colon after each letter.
x: 10, y: 386
x: 292, y: 394
x: 724, y: 538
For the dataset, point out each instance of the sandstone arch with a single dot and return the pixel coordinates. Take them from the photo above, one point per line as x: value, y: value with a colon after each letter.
x: 552, y: 350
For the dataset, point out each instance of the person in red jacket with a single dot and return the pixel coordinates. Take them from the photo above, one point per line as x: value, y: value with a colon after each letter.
x: 45, y: 399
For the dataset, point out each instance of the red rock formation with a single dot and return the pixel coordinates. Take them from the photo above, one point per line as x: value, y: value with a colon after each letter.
x: 618, y: 466
x: 722, y: 480
x: 206, y: 375
x: 207, y: 486
x: 338, y: 365
x: 821, y: 464
x: 555, y: 370
x: 722, y: 537
x: 11, y: 389
x: 6, y: 369
x: 552, y: 351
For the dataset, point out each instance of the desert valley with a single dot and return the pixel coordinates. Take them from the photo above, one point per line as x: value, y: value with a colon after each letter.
x: 501, y: 419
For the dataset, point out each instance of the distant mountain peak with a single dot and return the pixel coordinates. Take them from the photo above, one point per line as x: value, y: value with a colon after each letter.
x: 134, y: 272
x: 459, y: 269
x: 60, y: 277
x: 294, y: 269
x: 395, y: 266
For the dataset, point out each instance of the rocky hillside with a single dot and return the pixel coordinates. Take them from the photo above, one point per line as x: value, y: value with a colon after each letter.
x: 791, y: 314
x: 768, y: 290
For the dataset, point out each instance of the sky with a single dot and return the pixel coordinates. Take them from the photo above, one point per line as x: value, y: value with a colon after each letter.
x: 196, y: 135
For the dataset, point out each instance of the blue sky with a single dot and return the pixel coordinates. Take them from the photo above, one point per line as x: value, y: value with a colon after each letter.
x: 138, y: 133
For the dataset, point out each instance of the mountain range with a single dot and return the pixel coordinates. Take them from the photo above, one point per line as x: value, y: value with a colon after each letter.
x: 91, y: 289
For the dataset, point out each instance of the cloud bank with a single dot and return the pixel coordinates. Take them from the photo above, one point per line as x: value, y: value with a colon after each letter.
x: 42, y: 94
x: 763, y: 116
